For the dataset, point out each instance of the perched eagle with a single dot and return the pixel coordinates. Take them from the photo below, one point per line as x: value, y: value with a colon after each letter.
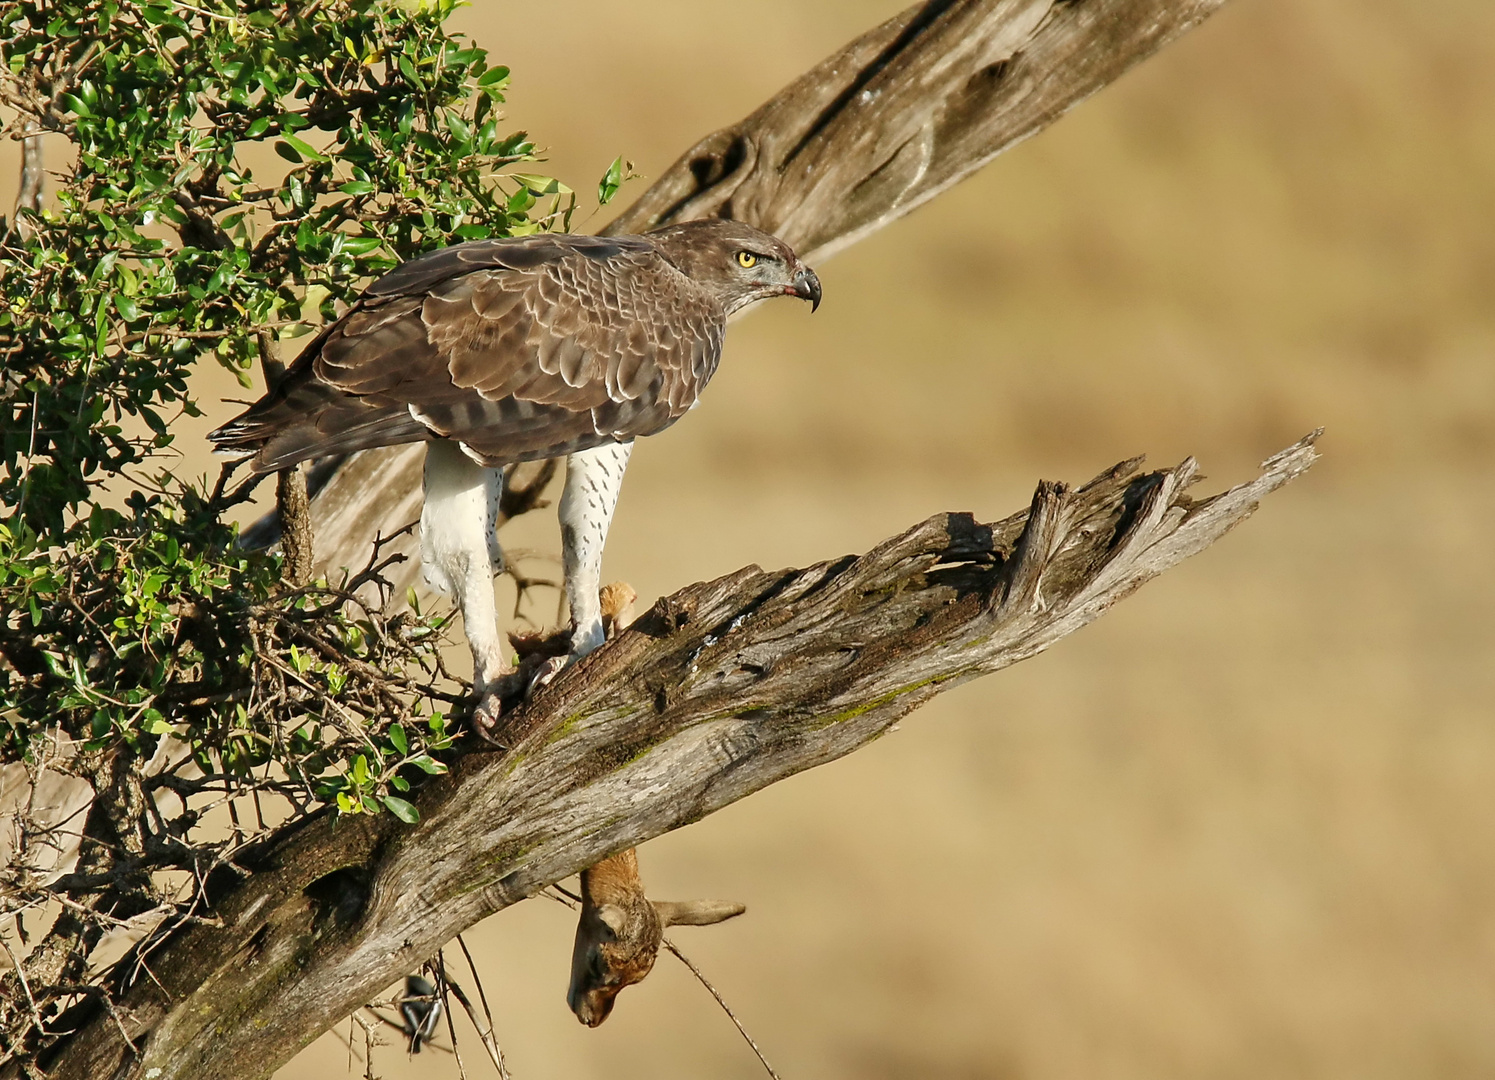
x: 499, y: 351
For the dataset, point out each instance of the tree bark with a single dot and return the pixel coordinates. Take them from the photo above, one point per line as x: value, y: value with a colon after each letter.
x: 718, y: 691
x: 906, y: 111
x: 727, y: 686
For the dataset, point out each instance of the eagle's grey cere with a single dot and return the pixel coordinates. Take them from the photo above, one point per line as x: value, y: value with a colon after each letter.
x: 499, y: 351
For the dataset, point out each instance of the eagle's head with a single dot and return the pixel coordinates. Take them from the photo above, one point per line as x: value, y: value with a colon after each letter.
x: 738, y: 263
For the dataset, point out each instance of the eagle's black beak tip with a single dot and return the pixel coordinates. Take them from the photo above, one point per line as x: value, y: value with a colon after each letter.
x: 807, y: 287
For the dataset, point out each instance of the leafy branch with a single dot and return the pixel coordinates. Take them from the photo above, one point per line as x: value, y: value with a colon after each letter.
x: 240, y: 173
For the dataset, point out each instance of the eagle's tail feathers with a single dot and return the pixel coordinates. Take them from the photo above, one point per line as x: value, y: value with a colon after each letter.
x: 316, y: 438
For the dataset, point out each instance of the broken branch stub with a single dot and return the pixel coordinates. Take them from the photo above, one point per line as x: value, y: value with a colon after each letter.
x: 718, y: 691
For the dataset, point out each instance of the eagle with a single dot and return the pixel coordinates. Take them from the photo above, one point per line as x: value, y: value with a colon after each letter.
x: 500, y: 351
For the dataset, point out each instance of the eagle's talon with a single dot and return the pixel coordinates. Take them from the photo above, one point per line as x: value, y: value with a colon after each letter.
x: 545, y: 674
x: 487, y: 717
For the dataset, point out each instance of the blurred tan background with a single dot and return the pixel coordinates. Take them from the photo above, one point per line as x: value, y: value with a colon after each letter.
x: 1244, y: 826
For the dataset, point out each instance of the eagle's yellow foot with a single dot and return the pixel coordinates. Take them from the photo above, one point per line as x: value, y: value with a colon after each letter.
x: 544, y: 655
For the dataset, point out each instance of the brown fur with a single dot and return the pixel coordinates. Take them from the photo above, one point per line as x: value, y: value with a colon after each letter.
x: 620, y: 931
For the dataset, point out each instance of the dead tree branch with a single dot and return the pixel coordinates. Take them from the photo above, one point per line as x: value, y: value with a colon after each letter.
x: 720, y: 690
x: 899, y: 115
x: 906, y: 111
x: 33, y: 175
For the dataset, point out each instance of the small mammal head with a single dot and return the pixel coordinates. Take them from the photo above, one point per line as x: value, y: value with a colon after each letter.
x: 620, y: 931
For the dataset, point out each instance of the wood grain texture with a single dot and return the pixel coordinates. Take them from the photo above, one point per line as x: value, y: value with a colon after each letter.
x: 904, y: 112
x: 718, y: 691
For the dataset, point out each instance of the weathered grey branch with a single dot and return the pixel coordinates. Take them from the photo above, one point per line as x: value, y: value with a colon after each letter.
x: 887, y: 123
x: 904, y: 112
x: 30, y: 190
x: 718, y: 691
x: 292, y: 503
x: 33, y: 174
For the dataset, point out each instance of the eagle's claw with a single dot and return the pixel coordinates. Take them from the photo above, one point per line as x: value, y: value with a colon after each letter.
x: 545, y: 673
x: 487, y: 716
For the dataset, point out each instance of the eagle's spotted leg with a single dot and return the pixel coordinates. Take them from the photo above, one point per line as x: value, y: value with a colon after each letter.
x: 460, y: 552
x: 593, y: 480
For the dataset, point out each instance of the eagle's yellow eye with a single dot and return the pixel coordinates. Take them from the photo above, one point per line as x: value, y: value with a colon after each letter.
x: 746, y: 259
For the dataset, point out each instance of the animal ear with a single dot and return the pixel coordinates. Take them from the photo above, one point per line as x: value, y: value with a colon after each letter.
x: 695, y: 912
x: 613, y: 917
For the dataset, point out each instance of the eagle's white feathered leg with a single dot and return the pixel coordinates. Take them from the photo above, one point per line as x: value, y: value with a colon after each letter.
x: 459, y: 550
x: 593, y: 479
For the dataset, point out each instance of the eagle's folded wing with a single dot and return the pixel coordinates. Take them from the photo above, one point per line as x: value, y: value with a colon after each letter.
x: 517, y: 350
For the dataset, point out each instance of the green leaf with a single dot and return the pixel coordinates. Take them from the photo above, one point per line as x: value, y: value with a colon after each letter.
x: 397, y: 738
x: 540, y: 185
x: 154, y: 723
x: 401, y: 809
x: 611, y: 181
x: 458, y: 127
x: 304, y: 148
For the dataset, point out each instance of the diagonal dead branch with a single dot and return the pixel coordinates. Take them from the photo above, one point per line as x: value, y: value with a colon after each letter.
x: 720, y: 690
x: 907, y: 110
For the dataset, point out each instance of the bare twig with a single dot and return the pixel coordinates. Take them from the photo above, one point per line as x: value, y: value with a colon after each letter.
x: 668, y: 944
x: 20, y: 970
x: 442, y: 988
x: 370, y: 1039
x: 490, y: 1040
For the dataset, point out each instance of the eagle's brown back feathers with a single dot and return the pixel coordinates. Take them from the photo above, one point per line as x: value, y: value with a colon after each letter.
x: 518, y: 349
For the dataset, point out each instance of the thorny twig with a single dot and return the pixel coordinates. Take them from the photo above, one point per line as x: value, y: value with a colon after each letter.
x: 668, y: 944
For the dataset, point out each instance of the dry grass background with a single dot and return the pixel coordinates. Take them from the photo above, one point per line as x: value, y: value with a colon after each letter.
x: 1244, y: 826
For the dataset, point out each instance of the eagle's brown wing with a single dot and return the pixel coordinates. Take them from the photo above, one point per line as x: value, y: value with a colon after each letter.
x: 518, y: 349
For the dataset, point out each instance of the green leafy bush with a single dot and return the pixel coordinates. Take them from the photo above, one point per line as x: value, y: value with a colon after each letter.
x: 238, y: 169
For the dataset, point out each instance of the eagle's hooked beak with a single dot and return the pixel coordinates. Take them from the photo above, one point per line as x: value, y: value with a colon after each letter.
x: 807, y: 287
